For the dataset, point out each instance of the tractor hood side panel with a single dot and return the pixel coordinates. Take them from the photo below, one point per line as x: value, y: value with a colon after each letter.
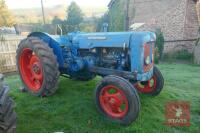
x: 107, y: 39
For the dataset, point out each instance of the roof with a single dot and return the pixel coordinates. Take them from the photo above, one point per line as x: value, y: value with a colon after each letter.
x: 136, y: 26
x: 111, y: 3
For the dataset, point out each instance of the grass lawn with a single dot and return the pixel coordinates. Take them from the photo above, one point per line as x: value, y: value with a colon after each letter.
x: 72, y: 108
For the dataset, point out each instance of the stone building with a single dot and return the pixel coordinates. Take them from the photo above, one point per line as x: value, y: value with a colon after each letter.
x: 197, y: 47
x: 177, y: 19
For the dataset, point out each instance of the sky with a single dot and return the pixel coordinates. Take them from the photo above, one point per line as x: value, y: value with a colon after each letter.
x: 14, y: 4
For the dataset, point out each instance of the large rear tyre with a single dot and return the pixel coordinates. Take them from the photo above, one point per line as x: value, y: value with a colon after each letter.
x: 37, y: 66
x: 117, y: 100
x: 152, y: 87
x: 8, y: 117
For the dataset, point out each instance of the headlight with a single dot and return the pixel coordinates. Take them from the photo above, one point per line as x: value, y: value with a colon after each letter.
x: 147, y: 60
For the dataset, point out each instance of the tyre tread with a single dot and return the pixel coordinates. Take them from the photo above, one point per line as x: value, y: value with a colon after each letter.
x: 49, y: 63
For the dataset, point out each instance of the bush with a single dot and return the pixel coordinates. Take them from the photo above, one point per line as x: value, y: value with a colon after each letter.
x: 183, y: 55
x: 156, y: 56
x: 159, y: 43
x: 178, y: 55
x: 159, y: 46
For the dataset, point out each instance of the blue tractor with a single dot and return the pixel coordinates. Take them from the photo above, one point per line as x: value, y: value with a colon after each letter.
x: 125, y: 60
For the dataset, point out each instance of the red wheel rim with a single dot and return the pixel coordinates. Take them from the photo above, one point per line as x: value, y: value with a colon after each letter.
x: 113, y: 101
x: 31, y: 69
x: 148, y: 87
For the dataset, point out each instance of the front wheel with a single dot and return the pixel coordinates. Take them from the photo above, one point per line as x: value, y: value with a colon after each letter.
x: 117, y: 100
x: 153, y: 86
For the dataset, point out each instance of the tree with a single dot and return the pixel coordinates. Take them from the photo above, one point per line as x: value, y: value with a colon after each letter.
x: 56, y: 20
x: 116, y: 16
x: 101, y: 21
x: 159, y: 43
x: 6, y: 19
x: 74, y: 16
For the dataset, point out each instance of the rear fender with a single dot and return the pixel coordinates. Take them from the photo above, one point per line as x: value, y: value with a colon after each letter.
x: 54, y: 42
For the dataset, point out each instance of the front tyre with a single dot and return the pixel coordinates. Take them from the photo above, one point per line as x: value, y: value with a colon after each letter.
x: 153, y: 86
x: 117, y: 100
x: 37, y: 66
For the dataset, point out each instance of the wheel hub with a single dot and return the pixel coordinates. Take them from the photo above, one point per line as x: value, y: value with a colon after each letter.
x: 112, y: 101
x: 36, y: 68
x: 147, y: 86
x: 31, y: 69
x: 114, y: 104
